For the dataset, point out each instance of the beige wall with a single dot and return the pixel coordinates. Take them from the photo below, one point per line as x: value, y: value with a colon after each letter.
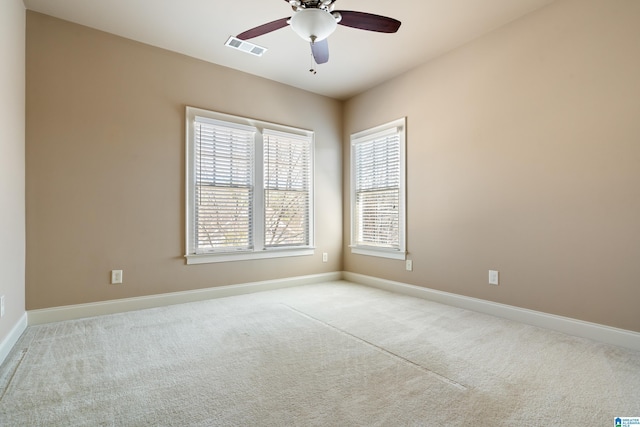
x: 12, y: 163
x: 524, y: 156
x: 105, y: 165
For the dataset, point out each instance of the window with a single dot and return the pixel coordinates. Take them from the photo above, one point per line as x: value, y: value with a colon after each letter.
x: 249, y: 189
x: 286, y: 189
x: 378, y: 191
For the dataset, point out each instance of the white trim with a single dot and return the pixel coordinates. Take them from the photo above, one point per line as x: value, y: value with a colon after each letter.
x: 69, y: 312
x: 13, y: 337
x: 381, y: 252
x: 579, y: 328
x: 593, y: 331
x: 379, y: 131
x: 241, y: 256
x: 388, y: 129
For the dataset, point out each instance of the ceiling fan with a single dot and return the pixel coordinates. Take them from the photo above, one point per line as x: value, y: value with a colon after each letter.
x: 315, y: 20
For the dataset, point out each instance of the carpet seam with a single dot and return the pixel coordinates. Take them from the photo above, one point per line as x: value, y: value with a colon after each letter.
x: 381, y: 349
x: 23, y: 353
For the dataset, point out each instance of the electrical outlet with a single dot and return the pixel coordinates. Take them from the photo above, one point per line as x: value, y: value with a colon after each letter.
x: 409, y: 265
x: 325, y: 257
x: 2, y: 306
x: 493, y: 277
x: 116, y: 277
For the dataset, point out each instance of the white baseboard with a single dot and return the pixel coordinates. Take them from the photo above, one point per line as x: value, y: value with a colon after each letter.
x: 594, y: 331
x: 13, y: 337
x: 69, y: 312
x: 579, y: 328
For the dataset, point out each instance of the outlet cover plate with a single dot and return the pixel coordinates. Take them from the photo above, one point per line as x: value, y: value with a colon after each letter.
x: 116, y: 277
x: 493, y: 277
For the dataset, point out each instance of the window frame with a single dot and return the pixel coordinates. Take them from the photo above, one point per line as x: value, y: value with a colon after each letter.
x: 368, y: 135
x: 259, y: 250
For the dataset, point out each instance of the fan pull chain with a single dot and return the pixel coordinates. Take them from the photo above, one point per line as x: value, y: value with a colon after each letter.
x: 312, y: 70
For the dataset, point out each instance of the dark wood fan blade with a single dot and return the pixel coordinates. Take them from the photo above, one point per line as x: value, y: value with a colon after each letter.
x: 263, y: 29
x: 320, y: 51
x: 368, y: 21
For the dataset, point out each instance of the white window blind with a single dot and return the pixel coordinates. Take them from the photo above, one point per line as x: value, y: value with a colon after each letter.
x: 224, y: 166
x: 287, y: 188
x: 378, y: 194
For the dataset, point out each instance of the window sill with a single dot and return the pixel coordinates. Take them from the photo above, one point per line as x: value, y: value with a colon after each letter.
x: 246, y: 256
x: 382, y: 253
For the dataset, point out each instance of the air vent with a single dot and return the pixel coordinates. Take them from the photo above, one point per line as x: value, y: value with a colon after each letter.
x: 245, y: 46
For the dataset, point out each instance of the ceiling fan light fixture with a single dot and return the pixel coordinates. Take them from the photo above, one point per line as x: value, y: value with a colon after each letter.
x: 313, y: 24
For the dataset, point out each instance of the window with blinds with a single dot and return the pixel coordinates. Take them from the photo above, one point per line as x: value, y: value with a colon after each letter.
x: 378, y: 191
x: 287, y: 189
x: 249, y: 189
x: 224, y: 166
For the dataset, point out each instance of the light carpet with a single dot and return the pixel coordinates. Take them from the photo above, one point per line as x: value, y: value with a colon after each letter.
x: 333, y: 354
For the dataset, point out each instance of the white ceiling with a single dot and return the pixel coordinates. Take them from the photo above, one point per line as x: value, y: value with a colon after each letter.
x: 358, y: 59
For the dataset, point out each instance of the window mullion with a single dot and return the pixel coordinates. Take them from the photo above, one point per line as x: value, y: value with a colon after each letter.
x: 259, y: 196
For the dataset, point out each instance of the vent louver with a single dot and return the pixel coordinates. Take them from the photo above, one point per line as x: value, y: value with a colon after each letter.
x: 245, y: 46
